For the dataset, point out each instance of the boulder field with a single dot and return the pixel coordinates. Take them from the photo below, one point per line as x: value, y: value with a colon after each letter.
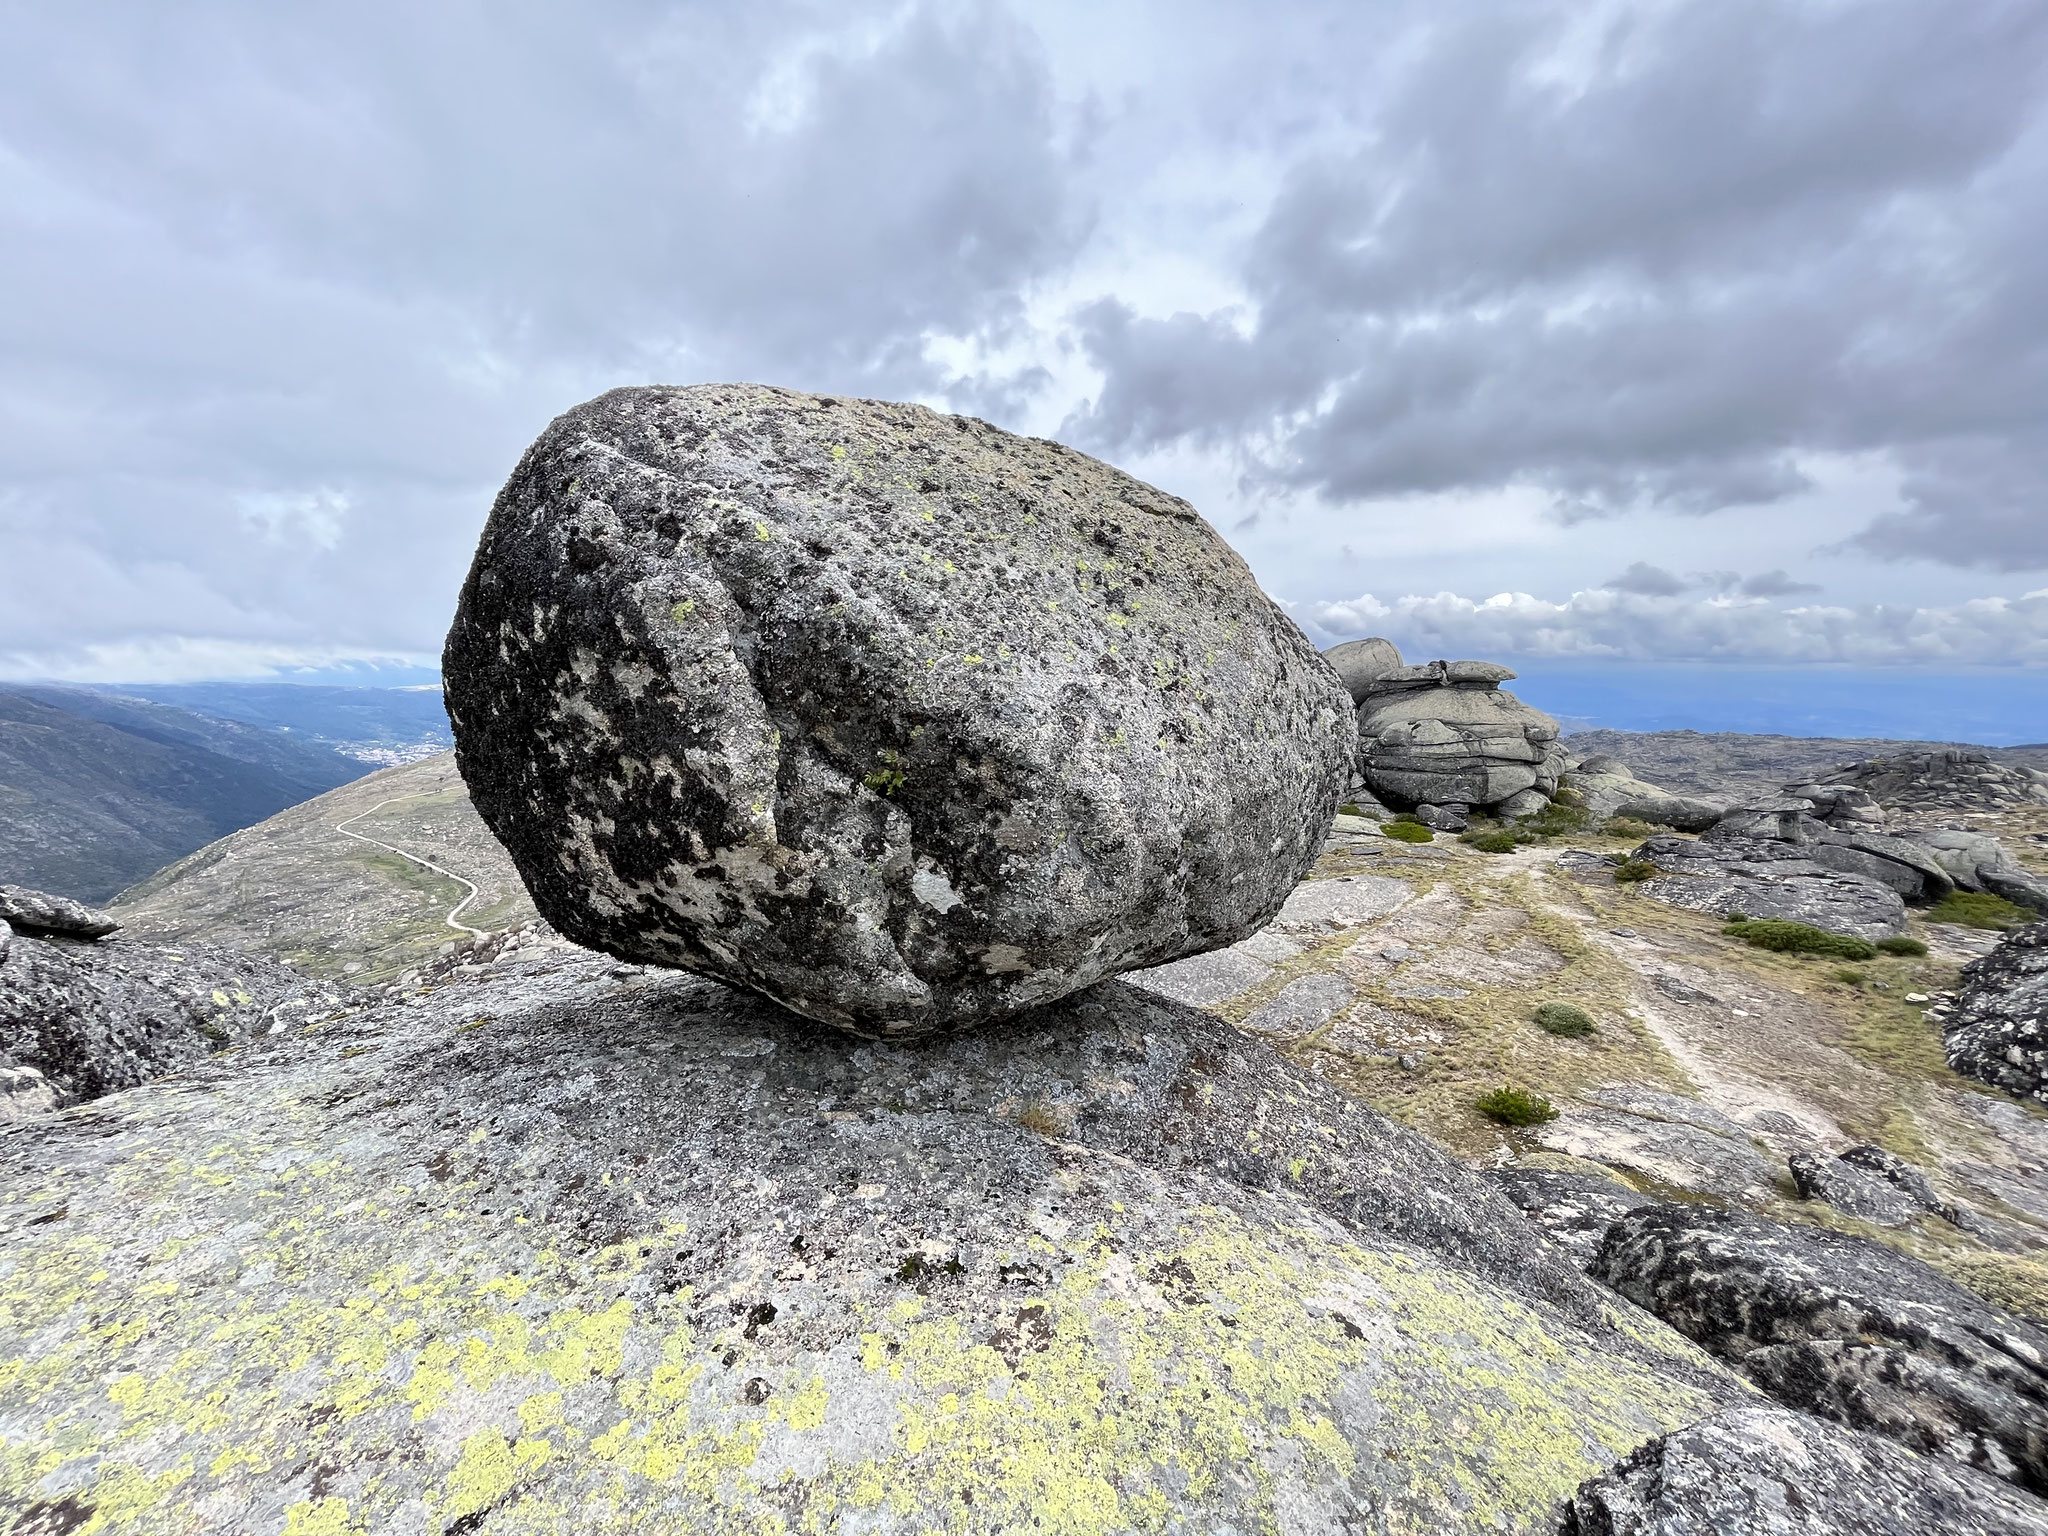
x: 901, y: 720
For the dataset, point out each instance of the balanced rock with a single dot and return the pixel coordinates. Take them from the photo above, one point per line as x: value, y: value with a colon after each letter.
x: 898, y: 719
x: 1444, y: 735
x: 1997, y: 1032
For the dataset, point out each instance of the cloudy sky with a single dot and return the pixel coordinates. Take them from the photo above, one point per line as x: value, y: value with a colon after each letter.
x: 1678, y: 331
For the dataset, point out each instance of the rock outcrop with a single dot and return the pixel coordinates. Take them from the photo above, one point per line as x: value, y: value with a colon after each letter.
x: 896, y: 718
x: 1871, y: 1185
x: 1607, y: 788
x: 1947, y: 782
x: 1444, y: 737
x: 48, y: 916
x: 559, y: 1250
x: 1756, y: 1471
x: 1842, y: 830
x: 1997, y: 1030
x: 1977, y: 861
x: 81, y: 1018
x: 1768, y: 878
x: 1847, y: 1329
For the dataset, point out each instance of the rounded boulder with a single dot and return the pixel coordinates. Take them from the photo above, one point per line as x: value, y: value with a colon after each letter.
x: 898, y: 719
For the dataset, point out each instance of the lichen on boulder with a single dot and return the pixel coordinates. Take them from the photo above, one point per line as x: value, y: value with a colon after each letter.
x: 901, y: 720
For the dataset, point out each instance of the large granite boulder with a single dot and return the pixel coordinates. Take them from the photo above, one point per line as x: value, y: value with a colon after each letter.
x: 80, y: 1018
x: 1760, y: 1471
x: 1768, y: 878
x: 1845, y: 1328
x: 555, y: 1251
x: 901, y: 720
x: 1997, y: 1030
x: 1443, y: 734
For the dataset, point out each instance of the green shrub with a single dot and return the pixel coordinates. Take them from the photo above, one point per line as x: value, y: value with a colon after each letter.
x: 1634, y: 870
x: 1556, y: 819
x: 1565, y: 1020
x: 1492, y: 840
x: 1515, y: 1106
x: 1349, y: 808
x: 1899, y: 944
x: 1847, y: 977
x: 1977, y: 909
x: 1798, y: 939
x: 1627, y: 826
x: 1408, y: 831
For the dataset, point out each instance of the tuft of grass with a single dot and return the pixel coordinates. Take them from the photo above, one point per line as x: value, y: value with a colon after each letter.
x: 1407, y: 832
x: 1560, y: 818
x: 1564, y: 1020
x: 1899, y: 944
x: 1628, y: 827
x: 1788, y: 938
x: 1515, y: 1106
x: 1978, y: 909
x: 1349, y: 808
x: 1848, y: 976
x: 1634, y: 870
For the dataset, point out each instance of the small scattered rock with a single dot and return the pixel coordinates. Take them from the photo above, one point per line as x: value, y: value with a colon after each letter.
x: 1851, y: 1190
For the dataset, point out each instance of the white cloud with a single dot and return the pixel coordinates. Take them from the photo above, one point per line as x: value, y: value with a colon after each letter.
x: 1603, y: 624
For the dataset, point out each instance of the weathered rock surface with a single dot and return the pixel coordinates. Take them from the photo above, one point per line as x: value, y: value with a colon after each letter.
x: 1997, y: 1030
x: 1757, y: 877
x: 84, y: 1018
x: 1758, y: 1471
x: 554, y: 1251
x: 1840, y: 830
x: 40, y: 913
x: 1574, y: 1210
x: 1441, y: 739
x: 1675, y: 1141
x: 1847, y: 1329
x: 1852, y: 1190
x: 901, y: 720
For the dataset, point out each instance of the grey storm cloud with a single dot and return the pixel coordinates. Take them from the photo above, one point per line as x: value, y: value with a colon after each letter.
x: 290, y: 287
x: 1731, y: 235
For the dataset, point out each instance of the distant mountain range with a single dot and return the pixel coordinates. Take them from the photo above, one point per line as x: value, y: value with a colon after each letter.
x: 385, y: 726
x: 99, y: 789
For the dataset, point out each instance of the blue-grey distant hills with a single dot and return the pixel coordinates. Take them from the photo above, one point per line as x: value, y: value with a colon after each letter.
x: 384, y: 726
x: 99, y: 789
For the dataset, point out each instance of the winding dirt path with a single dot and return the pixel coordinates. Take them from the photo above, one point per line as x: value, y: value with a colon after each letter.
x: 453, y: 919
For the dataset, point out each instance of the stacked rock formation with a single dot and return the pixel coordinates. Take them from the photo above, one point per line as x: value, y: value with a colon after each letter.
x: 1443, y: 740
x: 898, y: 719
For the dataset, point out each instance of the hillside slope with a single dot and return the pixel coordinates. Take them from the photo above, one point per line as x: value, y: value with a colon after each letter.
x: 334, y: 904
x: 97, y: 791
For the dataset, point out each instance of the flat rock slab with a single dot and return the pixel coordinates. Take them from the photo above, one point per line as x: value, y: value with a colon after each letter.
x: 1739, y: 877
x: 1675, y: 1152
x: 1758, y: 1471
x: 1303, y: 1006
x: 898, y: 719
x: 1343, y: 902
x: 557, y: 1252
x: 1204, y: 981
